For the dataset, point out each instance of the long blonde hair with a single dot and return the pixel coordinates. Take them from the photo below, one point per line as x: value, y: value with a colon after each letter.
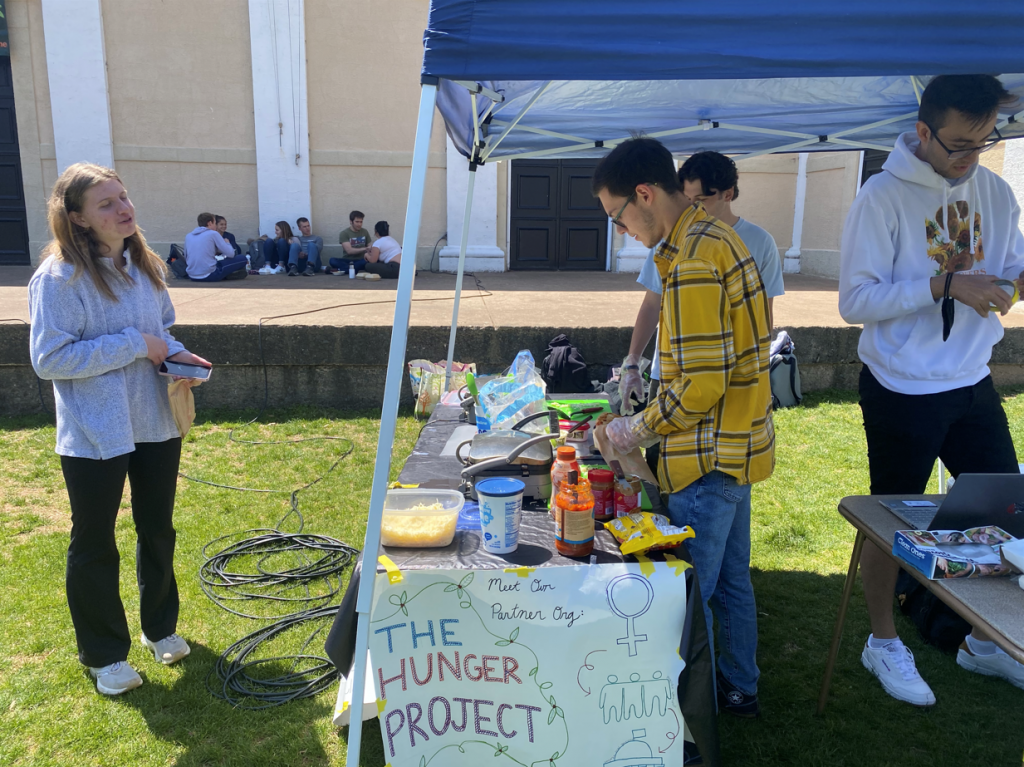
x: 75, y: 245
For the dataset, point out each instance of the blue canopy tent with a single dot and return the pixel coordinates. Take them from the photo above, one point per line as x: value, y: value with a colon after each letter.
x: 567, y: 78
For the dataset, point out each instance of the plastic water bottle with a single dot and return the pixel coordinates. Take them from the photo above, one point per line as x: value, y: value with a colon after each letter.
x: 351, y: 271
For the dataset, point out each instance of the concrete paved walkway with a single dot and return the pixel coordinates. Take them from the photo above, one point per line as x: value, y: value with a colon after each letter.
x: 511, y: 299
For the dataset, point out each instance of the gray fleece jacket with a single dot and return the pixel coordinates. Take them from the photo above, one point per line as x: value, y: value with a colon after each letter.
x: 108, y: 394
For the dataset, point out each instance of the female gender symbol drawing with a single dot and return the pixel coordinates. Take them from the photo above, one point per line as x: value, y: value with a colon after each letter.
x: 624, y: 600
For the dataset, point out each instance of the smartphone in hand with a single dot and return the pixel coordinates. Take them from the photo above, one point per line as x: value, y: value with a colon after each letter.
x: 185, y: 370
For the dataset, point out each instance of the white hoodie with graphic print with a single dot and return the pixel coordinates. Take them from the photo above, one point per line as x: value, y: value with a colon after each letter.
x: 907, y: 225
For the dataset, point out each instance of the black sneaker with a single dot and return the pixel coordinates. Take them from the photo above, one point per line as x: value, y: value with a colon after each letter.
x: 691, y: 756
x: 310, y: 271
x: 293, y: 271
x: 736, y: 702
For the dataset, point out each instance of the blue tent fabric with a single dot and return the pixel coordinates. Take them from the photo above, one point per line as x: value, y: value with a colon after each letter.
x: 803, y: 67
x: 726, y: 39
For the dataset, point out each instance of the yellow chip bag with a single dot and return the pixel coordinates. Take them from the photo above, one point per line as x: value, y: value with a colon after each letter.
x: 643, y: 531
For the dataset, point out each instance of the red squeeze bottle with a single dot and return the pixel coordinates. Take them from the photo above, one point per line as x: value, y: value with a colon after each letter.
x: 574, y: 517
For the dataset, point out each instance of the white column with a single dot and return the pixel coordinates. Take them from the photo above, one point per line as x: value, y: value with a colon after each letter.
x: 76, y: 68
x: 1013, y: 170
x: 791, y: 263
x: 482, y: 251
x: 278, y: 40
x: 631, y: 256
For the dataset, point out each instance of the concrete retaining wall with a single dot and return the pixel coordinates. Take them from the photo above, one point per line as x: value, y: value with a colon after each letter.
x: 346, y: 366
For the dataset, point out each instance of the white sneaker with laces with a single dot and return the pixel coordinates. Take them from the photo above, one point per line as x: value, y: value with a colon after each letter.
x: 116, y: 678
x: 895, y: 668
x: 997, y: 664
x: 169, y: 649
x: 278, y: 270
x: 265, y: 269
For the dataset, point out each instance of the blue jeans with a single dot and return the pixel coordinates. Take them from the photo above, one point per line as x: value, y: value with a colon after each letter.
x: 224, y: 268
x: 718, y: 510
x: 342, y: 264
x: 295, y: 256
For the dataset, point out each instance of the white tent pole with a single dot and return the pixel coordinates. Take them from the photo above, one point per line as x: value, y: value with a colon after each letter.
x: 791, y: 263
x: 389, y: 413
x: 463, y: 245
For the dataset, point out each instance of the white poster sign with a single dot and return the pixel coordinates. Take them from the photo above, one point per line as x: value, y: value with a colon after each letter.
x: 551, y: 666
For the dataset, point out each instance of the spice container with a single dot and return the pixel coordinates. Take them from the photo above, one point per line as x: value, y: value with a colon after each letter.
x: 574, y: 517
x: 602, y: 485
x: 627, y: 495
x: 565, y: 461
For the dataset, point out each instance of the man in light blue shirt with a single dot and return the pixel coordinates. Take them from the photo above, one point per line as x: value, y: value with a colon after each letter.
x: 711, y: 179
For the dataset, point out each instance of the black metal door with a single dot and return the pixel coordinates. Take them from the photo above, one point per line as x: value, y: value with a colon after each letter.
x: 13, y: 224
x: 555, y: 222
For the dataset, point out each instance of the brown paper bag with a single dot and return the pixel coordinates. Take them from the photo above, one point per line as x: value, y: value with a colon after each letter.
x: 183, y: 405
x: 632, y: 462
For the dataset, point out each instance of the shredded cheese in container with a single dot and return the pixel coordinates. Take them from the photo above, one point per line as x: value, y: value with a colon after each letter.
x: 418, y: 531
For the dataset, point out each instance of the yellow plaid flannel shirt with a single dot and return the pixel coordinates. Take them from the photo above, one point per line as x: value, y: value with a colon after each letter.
x: 714, y: 406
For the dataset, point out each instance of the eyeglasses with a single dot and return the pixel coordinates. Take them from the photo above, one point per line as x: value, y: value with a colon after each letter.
x: 959, y: 154
x: 617, y: 216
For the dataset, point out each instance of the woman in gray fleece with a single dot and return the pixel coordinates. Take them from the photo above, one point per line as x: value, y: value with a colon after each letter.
x: 100, y: 315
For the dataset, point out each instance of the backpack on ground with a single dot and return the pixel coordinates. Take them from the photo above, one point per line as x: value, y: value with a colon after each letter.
x: 176, y: 262
x: 784, y: 373
x: 937, y: 624
x: 564, y: 370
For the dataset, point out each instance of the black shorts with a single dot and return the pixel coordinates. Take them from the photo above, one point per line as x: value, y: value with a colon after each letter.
x: 965, y: 427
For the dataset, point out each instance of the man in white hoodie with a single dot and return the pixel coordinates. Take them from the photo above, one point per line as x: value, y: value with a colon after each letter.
x: 933, y: 228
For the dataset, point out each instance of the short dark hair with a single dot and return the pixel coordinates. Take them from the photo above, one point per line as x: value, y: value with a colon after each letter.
x: 354, y: 215
x: 219, y: 218
x: 977, y: 97
x: 300, y: 219
x: 714, y: 171
x: 382, y: 228
x: 633, y: 162
x: 205, y: 218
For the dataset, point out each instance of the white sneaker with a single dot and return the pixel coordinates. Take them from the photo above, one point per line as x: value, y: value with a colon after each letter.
x: 278, y: 270
x: 998, y: 664
x: 895, y: 668
x: 116, y: 678
x: 168, y: 650
x: 265, y: 269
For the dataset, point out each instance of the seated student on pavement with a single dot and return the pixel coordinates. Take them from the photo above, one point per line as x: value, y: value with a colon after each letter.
x: 222, y: 227
x: 712, y: 414
x: 279, y: 249
x: 933, y: 223
x: 208, y: 257
x: 384, y: 257
x: 354, y: 241
x: 307, y: 260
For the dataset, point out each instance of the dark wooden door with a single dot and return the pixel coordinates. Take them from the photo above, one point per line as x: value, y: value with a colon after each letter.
x: 555, y: 222
x: 13, y: 224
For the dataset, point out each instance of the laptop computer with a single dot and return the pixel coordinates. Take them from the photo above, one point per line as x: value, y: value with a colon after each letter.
x: 975, y: 500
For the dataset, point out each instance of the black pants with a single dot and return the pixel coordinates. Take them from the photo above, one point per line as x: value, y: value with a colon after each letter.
x: 95, y: 489
x: 387, y: 271
x: 653, y: 453
x: 965, y: 427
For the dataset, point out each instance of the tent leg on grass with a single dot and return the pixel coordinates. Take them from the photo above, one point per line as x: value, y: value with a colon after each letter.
x: 463, y: 245
x: 389, y: 413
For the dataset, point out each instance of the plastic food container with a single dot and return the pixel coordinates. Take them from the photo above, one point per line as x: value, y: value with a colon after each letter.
x: 420, y: 519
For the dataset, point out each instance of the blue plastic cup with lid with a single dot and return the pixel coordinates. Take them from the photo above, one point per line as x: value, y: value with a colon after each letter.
x: 501, y: 508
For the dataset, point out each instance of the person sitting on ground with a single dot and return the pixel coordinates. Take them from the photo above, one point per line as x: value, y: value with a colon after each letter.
x: 278, y: 250
x: 355, y: 242
x: 384, y: 257
x: 307, y: 259
x: 209, y: 258
x: 222, y: 227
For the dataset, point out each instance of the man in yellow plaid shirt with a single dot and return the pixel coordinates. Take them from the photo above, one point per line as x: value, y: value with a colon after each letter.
x: 713, y: 412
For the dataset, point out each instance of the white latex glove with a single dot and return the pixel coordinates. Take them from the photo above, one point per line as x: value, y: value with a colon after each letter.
x: 621, y: 435
x: 631, y: 383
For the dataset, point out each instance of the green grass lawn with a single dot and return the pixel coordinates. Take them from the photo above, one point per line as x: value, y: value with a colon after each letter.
x: 50, y: 714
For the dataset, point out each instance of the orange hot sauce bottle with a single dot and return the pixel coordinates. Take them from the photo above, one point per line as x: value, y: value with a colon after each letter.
x: 574, y: 517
